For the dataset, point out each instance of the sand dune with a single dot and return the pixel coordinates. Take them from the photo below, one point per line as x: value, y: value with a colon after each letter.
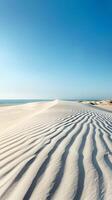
x: 103, y: 104
x: 57, y: 150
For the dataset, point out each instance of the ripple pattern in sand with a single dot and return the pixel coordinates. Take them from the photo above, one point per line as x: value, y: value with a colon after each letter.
x: 63, y: 153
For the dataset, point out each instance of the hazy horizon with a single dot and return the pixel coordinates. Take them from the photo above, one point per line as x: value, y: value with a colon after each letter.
x: 55, y: 49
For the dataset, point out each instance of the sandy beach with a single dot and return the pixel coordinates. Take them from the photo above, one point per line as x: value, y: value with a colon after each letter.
x: 58, y: 150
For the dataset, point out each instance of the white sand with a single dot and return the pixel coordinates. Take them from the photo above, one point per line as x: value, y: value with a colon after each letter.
x: 104, y: 104
x: 57, y: 150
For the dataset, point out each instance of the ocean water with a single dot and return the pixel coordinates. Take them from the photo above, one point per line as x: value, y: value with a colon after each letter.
x: 20, y: 101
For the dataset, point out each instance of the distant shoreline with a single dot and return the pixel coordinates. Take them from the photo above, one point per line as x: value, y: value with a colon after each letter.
x: 9, y: 102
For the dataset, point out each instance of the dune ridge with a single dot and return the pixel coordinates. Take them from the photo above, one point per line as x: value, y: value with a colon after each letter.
x: 55, y: 150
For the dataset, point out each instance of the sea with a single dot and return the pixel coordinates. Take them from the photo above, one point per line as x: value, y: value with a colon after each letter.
x: 9, y: 102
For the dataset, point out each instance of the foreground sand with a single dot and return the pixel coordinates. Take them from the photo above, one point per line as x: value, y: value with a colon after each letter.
x: 57, y: 150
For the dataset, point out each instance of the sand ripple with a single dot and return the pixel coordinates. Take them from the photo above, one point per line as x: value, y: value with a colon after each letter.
x: 60, y: 151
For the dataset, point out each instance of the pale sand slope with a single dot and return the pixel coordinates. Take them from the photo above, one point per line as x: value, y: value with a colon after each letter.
x: 57, y: 150
x: 104, y: 104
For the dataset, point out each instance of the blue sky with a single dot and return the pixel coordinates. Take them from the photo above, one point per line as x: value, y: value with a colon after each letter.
x: 55, y: 49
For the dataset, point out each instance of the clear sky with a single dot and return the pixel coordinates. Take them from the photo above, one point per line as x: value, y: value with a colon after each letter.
x: 55, y: 49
